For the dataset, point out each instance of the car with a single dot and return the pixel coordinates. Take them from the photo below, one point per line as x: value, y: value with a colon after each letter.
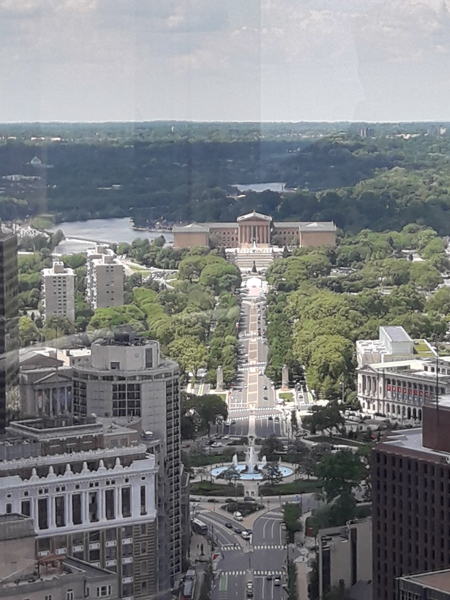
x: 265, y: 387
x: 216, y: 445
x: 283, y: 527
x: 269, y: 577
x: 265, y: 398
x: 228, y: 525
x: 246, y: 535
x: 238, y: 516
x: 249, y: 588
x: 277, y: 580
x: 237, y: 530
x: 248, y: 499
x: 211, y: 500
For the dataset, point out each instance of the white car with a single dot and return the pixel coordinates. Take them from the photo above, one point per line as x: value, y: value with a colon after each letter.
x: 238, y: 516
x: 216, y: 445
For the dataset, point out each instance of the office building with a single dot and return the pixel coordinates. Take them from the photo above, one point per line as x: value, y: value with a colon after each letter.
x: 345, y: 556
x: 58, y: 292
x: 127, y: 378
x: 411, y: 500
x: 9, y: 327
x: 88, y: 500
x: 104, y: 278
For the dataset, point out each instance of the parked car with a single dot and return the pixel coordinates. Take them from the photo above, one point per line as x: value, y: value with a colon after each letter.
x: 277, y: 580
x: 238, y: 516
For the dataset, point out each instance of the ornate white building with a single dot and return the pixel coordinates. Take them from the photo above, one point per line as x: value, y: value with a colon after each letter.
x: 97, y: 506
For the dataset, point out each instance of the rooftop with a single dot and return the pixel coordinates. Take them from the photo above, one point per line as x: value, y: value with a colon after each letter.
x: 192, y: 228
x: 396, y: 334
x: 409, y: 439
x: 438, y: 580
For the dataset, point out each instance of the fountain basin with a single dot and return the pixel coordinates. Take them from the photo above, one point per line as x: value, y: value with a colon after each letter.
x: 249, y: 476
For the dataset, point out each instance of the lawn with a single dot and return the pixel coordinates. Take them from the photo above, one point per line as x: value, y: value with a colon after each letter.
x: 286, y: 396
x: 340, y: 441
x: 202, y: 460
x: 302, y: 486
x: 205, y: 488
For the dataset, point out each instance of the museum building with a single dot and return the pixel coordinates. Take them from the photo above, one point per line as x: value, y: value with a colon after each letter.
x: 255, y: 229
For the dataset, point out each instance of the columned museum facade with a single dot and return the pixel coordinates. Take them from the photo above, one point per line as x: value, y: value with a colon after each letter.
x: 255, y: 229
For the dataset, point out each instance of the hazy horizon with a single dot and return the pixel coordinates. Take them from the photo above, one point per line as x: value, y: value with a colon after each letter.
x: 269, y: 61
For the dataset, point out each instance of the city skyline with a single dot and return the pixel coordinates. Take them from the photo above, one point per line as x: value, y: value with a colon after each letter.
x: 106, y: 60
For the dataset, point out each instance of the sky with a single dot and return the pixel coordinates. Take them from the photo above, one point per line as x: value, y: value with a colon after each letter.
x: 224, y: 60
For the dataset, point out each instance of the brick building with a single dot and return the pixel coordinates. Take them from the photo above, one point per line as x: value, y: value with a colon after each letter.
x: 411, y: 500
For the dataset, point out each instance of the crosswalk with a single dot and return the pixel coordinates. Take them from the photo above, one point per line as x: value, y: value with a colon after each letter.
x: 255, y: 573
x: 231, y: 547
x: 269, y: 547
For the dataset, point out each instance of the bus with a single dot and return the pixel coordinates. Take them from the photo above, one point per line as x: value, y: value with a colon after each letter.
x: 199, y: 527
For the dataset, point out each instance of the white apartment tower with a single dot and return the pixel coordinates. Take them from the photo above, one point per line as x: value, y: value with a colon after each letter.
x: 58, y: 292
x: 104, y: 278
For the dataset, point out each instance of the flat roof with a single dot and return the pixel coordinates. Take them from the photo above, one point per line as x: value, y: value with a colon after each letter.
x: 192, y: 228
x: 396, y: 333
x: 408, y: 439
x: 438, y: 580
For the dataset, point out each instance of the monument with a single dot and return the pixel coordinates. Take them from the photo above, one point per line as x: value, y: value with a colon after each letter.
x: 285, y: 378
x: 219, y: 379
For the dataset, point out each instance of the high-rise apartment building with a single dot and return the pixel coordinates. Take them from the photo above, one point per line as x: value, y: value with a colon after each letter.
x: 127, y: 378
x: 9, y: 327
x: 411, y: 500
x: 104, y: 278
x: 58, y: 291
x: 89, y: 500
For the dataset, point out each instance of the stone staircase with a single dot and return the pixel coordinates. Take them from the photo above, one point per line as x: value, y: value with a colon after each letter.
x: 245, y: 258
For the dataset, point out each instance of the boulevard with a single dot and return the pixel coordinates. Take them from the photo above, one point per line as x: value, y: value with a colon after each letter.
x: 253, y: 412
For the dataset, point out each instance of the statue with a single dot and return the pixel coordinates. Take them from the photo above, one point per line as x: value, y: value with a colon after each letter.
x: 254, y: 267
x: 285, y: 377
x: 219, y: 378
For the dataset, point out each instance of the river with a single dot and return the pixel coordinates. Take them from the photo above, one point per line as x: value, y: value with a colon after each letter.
x: 81, y: 235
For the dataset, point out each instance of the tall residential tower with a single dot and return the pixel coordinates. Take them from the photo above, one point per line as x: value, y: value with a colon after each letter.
x: 9, y: 326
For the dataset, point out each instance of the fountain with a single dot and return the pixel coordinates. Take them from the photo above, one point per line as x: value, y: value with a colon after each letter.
x: 251, y: 470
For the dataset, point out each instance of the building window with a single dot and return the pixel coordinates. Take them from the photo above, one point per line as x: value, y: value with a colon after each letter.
x: 103, y: 591
x: 49, y: 597
x: 70, y: 595
x: 115, y: 366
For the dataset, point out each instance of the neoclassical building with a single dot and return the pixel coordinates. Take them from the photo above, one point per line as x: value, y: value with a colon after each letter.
x: 255, y: 229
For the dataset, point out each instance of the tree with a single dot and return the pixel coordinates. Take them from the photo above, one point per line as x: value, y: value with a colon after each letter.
x: 294, y: 422
x: 291, y: 514
x: 189, y: 353
x: 324, y: 418
x: 28, y: 332
x: 340, y: 473
x: 269, y: 447
x: 271, y: 473
x: 231, y: 475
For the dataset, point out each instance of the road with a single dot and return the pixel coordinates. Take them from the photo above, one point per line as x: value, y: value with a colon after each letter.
x: 254, y: 395
x: 258, y: 560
